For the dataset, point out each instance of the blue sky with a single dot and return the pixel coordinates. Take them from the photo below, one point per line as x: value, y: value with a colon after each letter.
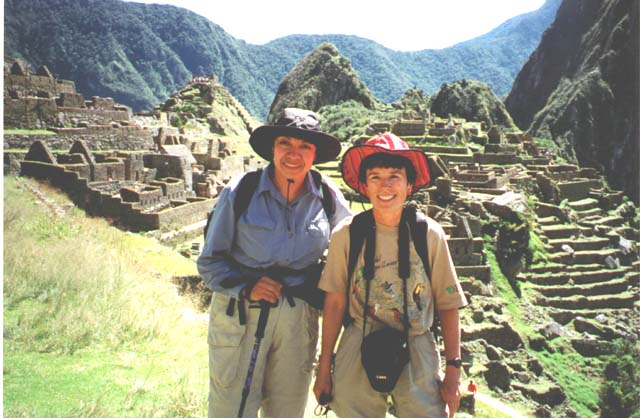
x: 404, y: 25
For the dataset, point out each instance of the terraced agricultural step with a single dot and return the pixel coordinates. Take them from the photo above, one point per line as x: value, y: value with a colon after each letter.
x: 584, y: 204
x: 549, y: 220
x: 584, y: 257
x: 498, y: 335
x: 456, y: 158
x: 588, y: 214
x: 580, y: 244
x: 443, y: 149
x: 560, y: 231
x: 577, y: 277
x: 558, y: 267
x: 482, y: 273
x: 607, y: 220
x: 564, y: 316
x: 623, y: 300
x: 611, y: 287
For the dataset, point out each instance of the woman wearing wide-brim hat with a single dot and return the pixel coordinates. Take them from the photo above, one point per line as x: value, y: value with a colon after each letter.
x: 387, y: 172
x: 262, y: 245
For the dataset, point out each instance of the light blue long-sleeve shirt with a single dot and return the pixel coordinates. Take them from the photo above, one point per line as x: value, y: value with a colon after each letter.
x: 269, y: 233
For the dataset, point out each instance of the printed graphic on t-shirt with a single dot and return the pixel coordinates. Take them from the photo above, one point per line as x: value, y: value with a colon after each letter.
x: 386, y: 294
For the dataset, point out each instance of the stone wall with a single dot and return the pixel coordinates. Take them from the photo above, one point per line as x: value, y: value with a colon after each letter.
x: 29, y: 113
x: 99, y: 199
x: 409, y: 128
x: 35, y: 83
x: 121, y: 138
x: 99, y: 116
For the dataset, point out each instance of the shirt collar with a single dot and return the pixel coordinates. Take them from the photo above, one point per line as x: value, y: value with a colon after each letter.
x: 266, y: 184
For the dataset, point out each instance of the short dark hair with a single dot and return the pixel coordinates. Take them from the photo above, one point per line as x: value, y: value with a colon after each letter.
x: 385, y: 160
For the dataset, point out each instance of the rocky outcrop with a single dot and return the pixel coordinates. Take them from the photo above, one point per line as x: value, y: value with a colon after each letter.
x: 580, y: 88
x: 323, y: 77
x: 472, y: 100
x: 209, y: 102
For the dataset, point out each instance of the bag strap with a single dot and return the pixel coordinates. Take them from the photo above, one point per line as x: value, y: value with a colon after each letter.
x: 419, y: 229
x: 404, y: 270
x: 369, y: 269
x: 360, y: 225
x: 328, y: 202
x: 245, y: 190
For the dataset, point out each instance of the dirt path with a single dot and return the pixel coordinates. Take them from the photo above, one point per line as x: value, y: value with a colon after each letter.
x: 499, y: 405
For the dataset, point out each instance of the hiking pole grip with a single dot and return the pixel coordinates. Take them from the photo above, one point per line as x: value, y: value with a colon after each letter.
x: 265, y: 307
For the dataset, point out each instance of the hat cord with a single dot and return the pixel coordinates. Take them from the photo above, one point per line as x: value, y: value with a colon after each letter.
x: 288, y: 208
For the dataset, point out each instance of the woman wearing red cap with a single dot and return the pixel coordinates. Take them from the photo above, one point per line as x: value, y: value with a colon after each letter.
x: 381, y: 296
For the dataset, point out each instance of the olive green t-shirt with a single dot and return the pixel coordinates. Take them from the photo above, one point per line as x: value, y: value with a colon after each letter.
x: 386, y: 293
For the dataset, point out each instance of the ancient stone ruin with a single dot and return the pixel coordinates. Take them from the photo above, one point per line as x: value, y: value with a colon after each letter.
x: 136, y: 170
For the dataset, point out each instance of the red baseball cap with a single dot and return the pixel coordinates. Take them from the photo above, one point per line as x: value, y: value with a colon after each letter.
x: 386, y: 143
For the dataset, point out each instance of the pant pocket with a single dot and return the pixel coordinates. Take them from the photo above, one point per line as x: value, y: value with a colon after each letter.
x: 225, y: 342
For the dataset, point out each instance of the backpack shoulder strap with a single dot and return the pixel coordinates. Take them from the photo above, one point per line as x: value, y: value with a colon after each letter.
x: 358, y: 230
x: 247, y: 186
x: 419, y: 229
x: 328, y: 202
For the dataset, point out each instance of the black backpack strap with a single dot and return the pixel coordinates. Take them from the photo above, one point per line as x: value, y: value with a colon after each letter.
x: 246, y: 187
x: 369, y: 269
x: 419, y: 229
x: 245, y: 190
x: 360, y: 225
x: 328, y: 202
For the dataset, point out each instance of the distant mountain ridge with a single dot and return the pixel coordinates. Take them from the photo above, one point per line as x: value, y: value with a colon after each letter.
x: 139, y: 54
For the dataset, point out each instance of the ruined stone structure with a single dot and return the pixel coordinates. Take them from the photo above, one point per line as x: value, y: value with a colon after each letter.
x: 119, y: 187
x: 39, y: 101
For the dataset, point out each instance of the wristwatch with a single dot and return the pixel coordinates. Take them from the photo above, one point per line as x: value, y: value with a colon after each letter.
x: 456, y: 362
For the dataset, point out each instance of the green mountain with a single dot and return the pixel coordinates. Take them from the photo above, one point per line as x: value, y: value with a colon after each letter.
x: 580, y: 88
x: 322, y: 78
x: 139, y: 54
x: 471, y: 100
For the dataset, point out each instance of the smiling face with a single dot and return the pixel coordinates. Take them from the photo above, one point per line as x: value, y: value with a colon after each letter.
x: 292, y: 157
x: 387, y: 188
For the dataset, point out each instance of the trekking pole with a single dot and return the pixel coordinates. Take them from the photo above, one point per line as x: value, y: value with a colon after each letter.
x: 262, y: 324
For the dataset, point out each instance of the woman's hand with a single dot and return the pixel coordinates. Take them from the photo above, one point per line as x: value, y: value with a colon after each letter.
x: 450, y: 389
x: 323, y: 386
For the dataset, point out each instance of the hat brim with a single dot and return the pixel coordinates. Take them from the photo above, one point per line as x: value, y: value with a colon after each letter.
x: 261, y: 140
x: 354, y: 156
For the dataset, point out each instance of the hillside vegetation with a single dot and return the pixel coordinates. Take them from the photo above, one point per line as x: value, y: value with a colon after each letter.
x: 93, y: 325
x: 580, y: 88
x: 139, y: 54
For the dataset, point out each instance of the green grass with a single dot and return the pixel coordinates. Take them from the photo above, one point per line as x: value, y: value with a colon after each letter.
x: 540, y: 255
x: 578, y: 377
x: 92, y: 324
x: 28, y: 132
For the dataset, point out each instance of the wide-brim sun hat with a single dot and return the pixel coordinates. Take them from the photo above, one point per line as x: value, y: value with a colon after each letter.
x: 386, y: 143
x: 296, y: 123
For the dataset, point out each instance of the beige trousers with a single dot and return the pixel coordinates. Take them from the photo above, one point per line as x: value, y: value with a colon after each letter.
x: 416, y: 395
x: 282, y: 373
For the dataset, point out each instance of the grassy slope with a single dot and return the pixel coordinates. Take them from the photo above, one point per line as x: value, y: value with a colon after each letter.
x: 92, y: 325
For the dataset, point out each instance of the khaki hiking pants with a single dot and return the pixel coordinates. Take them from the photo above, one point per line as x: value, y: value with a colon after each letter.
x: 282, y: 373
x: 416, y: 395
